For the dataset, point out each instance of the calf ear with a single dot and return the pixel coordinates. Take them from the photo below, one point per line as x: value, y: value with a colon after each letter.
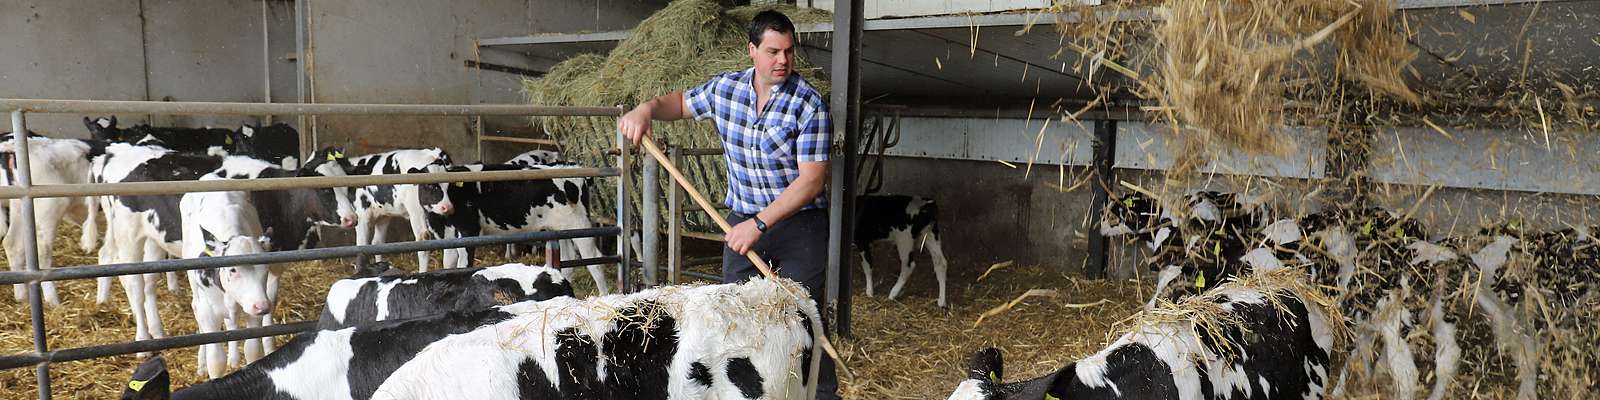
x: 987, y: 365
x: 213, y: 247
x: 150, y: 381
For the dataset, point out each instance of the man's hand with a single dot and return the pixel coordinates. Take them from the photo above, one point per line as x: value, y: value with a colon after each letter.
x: 635, y: 124
x: 743, y: 237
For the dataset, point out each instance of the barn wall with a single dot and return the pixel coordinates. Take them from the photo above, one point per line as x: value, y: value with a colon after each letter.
x: 70, y: 49
x: 413, y: 51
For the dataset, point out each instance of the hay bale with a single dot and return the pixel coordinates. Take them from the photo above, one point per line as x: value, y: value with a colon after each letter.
x: 677, y: 48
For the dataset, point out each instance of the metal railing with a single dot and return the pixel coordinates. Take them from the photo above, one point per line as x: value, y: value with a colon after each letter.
x: 24, y: 190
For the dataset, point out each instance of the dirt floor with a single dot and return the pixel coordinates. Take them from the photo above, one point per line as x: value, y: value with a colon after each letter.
x: 908, y: 348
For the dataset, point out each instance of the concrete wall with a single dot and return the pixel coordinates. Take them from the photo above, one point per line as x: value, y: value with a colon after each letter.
x: 413, y: 51
x: 82, y: 49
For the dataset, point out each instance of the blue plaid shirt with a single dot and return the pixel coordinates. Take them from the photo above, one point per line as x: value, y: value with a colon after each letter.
x: 764, y: 150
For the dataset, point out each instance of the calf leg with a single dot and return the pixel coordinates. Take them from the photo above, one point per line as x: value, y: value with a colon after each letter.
x: 103, y: 285
x: 866, y: 265
x: 940, y: 264
x: 1446, y: 354
x: 586, y: 248
x: 152, y: 309
x: 1401, y: 362
x: 209, y: 357
x: 902, y: 244
x: 47, y: 218
x: 252, y: 347
x: 230, y: 322
x: 419, y: 232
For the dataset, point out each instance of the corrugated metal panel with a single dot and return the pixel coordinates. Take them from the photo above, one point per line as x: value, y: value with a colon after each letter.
x: 1488, y: 159
x: 1012, y: 140
x: 1147, y: 146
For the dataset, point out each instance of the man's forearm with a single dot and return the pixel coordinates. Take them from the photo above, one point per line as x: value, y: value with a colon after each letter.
x: 796, y: 196
x: 667, y: 107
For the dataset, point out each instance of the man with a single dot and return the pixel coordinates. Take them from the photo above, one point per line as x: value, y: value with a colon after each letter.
x: 775, y: 133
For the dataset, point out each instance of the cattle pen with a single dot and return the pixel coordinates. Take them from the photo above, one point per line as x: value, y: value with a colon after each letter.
x: 42, y: 356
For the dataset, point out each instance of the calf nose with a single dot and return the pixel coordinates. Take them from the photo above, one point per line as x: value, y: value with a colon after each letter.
x: 445, y: 208
x: 259, y: 308
x: 347, y: 221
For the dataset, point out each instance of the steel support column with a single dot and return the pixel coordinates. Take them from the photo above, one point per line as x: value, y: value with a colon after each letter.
x: 623, y: 173
x: 845, y: 108
x: 650, y: 216
x: 1105, y: 145
x: 30, y: 248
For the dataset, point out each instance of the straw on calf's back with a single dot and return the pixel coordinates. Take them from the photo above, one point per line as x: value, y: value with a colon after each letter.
x: 362, y: 300
x: 1261, y: 342
x: 731, y: 341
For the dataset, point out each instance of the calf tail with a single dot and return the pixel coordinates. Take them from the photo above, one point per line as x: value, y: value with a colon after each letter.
x: 926, y: 223
x: 819, y: 339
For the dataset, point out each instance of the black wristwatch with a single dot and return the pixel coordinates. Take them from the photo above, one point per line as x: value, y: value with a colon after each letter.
x: 760, y: 225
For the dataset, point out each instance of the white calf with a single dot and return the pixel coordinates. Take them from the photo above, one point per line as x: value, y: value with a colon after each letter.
x: 52, y: 161
x: 226, y: 224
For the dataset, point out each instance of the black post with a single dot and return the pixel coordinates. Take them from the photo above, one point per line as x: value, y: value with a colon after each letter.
x: 846, y: 109
x: 1105, y: 156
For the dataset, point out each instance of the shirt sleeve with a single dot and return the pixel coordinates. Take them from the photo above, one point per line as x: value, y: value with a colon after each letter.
x: 701, y: 97
x: 816, y: 134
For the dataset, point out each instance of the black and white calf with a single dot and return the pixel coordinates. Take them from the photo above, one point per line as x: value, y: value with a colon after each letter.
x: 910, y: 223
x: 376, y: 206
x: 212, y: 141
x: 51, y: 161
x: 743, y: 341
x: 149, y: 227
x: 278, y: 143
x: 1270, y: 352
x: 226, y: 224
x: 538, y: 157
x: 505, y: 207
x: 364, y: 300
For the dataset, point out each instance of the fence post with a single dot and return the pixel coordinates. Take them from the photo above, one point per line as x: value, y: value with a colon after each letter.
x: 622, y: 207
x: 30, y: 248
x: 649, y: 226
x: 675, y: 223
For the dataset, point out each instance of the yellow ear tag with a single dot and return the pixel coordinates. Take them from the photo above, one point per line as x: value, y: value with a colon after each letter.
x: 993, y: 378
x: 332, y: 157
x: 1200, y: 281
x: 137, y: 385
x: 227, y: 139
x: 1367, y: 229
x: 460, y: 184
x: 1216, y: 249
x: 1128, y: 202
x: 1048, y: 396
x: 211, y: 253
x: 338, y: 154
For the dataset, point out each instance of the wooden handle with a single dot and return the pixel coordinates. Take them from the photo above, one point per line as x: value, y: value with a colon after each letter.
x: 700, y: 199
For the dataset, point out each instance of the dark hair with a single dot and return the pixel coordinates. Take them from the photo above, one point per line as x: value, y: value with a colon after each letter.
x: 769, y: 21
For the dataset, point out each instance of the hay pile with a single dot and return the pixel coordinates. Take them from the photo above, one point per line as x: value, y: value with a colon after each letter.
x: 677, y: 48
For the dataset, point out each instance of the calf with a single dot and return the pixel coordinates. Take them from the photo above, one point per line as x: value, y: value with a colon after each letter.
x: 212, y: 141
x: 277, y: 143
x: 1273, y: 346
x: 538, y: 157
x: 507, y: 207
x: 731, y: 341
x: 363, y: 300
x: 148, y: 227
x: 226, y: 224
x: 52, y: 162
x: 910, y: 223
x: 377, y: 205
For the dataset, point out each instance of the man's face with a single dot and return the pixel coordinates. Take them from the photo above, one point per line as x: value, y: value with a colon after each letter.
x: 773, y: 57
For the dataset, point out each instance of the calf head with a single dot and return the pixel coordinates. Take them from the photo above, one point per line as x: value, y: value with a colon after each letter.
x: 104, y: 129
x: 330, y: 161
x: 245, y: 285
x: 986, y: 370
x: 150, y: 381
x: 435, y: 198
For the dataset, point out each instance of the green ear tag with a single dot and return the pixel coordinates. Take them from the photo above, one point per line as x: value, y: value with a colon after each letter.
x: 332, y: 157
x: 1048, y: 396
x: 1367, y: 229
x: 1200, y: 281
x: 1216, y: 249
x: 227, y: 140
x: 1128, y: 202
x: 993, y: 378
x: 137, y: 385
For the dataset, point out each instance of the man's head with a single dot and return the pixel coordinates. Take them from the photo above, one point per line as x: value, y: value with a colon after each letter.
x: 771, y: 46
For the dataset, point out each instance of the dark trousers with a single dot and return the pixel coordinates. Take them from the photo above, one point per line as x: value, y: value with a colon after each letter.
x: 797, y: 248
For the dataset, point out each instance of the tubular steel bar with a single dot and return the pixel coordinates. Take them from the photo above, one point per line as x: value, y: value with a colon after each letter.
x: 30, y: 248
x: 171, y: 187
x: 218, y: 108
x: 59, y: 274
x: 622, y: 205
x: 650, y: 217
x: 117, y: 349
x: 674, y: 222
